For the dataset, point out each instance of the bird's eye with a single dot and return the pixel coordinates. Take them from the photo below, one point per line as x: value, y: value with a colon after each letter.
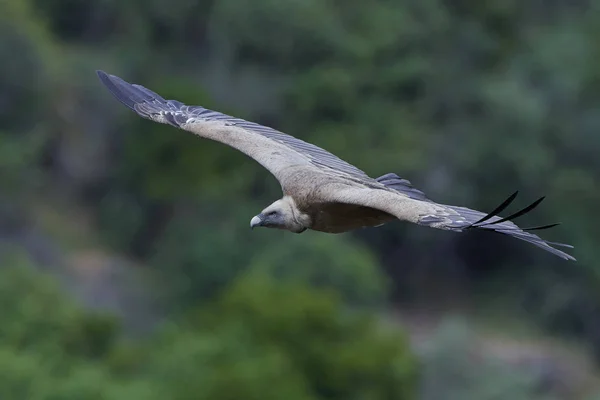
x: 272, y: 213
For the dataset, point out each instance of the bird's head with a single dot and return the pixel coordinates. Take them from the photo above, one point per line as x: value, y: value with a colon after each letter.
x: 282, y: 214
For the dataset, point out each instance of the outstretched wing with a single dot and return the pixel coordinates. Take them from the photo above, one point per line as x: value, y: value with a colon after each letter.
x: 274, y: 150
x: 427, y: 213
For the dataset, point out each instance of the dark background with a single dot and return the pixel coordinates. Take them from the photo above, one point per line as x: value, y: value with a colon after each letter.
x: 128, y: 268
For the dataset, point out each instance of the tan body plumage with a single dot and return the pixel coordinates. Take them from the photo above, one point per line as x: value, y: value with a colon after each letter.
x: 320, y: 191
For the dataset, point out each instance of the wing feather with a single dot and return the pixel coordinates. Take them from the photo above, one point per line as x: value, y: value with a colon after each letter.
x: 442, y: 216
x: 273, y: 149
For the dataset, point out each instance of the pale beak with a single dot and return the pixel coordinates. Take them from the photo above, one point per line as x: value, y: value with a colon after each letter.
x: 255, y: 221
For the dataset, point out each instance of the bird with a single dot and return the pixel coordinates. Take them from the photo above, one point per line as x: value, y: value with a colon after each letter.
x: 320, y: 191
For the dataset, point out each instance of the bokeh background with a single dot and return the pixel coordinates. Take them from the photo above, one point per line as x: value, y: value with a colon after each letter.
x: 128, y: 268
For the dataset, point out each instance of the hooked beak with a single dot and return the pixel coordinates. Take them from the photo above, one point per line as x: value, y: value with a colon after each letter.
x: 255, y: 221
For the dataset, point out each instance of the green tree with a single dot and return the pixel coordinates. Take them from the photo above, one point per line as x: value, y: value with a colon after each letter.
x: 341, y: 354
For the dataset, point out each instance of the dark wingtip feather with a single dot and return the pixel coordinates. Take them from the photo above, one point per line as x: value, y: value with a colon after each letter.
x: 505, y: 226
x: 498, y: 209
x: 517, y: 214
x: 118, y: 88
x: 540, y: 228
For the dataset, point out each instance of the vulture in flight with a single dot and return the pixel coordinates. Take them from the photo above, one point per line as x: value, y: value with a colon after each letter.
x: 320, y: 191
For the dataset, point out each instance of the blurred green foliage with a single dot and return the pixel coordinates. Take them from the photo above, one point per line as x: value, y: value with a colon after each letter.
x: 260, y: 339
x: 455, y: 371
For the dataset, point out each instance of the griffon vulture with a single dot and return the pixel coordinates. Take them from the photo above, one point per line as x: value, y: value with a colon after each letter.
x: 320, y: 191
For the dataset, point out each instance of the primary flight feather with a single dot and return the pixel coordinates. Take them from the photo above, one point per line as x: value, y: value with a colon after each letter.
x: 320, y: 191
